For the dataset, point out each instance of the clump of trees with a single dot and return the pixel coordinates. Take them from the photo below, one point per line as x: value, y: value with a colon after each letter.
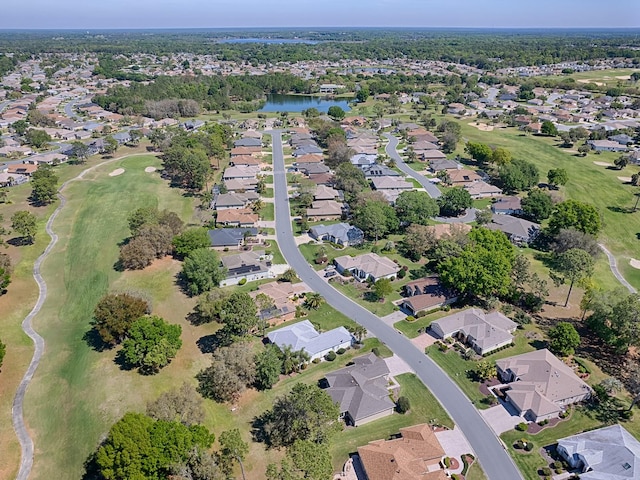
x: 44, y: 185
x: 114, y: 315
x: 232, y: 370
x: 454, y: 201
x: 152, y: 234
x: 26, y: 224
x: 151, y: 344
x: 202, y: 271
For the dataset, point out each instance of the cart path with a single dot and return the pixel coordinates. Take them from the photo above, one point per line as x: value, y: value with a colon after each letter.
x: 17, y: 412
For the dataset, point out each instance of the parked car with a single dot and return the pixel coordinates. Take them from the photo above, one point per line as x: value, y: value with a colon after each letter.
x: 331, y: 273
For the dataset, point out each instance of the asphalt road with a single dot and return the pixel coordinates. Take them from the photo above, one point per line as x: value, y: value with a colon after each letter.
x: 68, y: 108
x: 494, y: 459
x: 432, y: 190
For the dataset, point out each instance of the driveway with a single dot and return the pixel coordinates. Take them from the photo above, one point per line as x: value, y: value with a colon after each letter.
x: 501, y: 418
x: 393, y: 317
x: 424, y: 340
x: 454, y: 444
x: 495, y: 461
x: 397, y: 366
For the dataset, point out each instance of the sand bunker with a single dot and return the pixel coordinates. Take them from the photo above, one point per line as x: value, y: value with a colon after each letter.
x: 590, y: 81
x: 603, y: 164
x: 635, y: 263
x: 624, y: 77
x: 483, y: 127
x: 116, y: 172
x: 150, y: 169
x: 625, y: 179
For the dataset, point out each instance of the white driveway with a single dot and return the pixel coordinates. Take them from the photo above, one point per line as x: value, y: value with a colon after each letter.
x: 397, y: 366
x: 500, y: 418
x: 393, y: 317
x: 454, y: 445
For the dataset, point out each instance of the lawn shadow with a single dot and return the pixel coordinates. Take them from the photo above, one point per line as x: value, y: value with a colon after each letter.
x: 19, y: 241
x: 538, y: 344
x: 617, y: 209
x: 209, y: 343
x: 121, y: 361
x: 370, y: 297
x: 94, y: 340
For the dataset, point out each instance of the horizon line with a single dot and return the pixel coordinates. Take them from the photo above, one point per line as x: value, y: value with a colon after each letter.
x: 325, y: 27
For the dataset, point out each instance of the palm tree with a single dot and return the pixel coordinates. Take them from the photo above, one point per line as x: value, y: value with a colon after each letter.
x: 358, y: 331
x: 288, y: 360
x: 257, y: 205
x: 301, y: 357
x: 313, y: 300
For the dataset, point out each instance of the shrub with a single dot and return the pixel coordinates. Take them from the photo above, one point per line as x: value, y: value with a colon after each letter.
x: 522, y: 427
x: 546, y: 471
x: 225, y: 249
x: 455, y: 476
x: 403, y: 405
x: 331, y: 356
x: 421, y: 314
x: 447, y: 462
x: 242, y: 281
x: 584, y: 368
x: 528, y: 446
x: 340, y: 351
x: 315, y: 360
x: 402, y: 274
x: 376, y: 351
x: 410, y: 318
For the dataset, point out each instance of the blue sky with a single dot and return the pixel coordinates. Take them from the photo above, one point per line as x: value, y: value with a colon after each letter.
x: 93, y: 14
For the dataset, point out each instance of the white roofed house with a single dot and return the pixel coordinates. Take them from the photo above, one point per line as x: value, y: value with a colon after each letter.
x: 304, y: 336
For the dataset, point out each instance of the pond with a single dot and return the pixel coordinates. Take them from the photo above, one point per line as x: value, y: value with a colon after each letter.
x: 298, y: 103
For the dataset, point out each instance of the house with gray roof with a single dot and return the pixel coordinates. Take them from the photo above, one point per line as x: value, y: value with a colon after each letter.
x: 361, y: 390
x: 230, y: 237
x: 367, y: 266
x: 377, y: 170
x: 539, y: 385
x: 247, y: 142
x: 304, y: 336
x: 250, y: 266
x: 339, y: 233
x: 484, y: 332
x: 608, y: 453
x: 517, y: 230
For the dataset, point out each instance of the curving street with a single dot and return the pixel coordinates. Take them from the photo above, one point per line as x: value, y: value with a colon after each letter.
x: 17, y: 413
x: 490, y: 452
x: 432, y: 190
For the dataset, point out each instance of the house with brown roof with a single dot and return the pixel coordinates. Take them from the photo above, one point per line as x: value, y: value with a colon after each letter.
x: 415, y: 454
x: 285, y: 296
x: 367, y: 266
x: 462, y: 176
x: 442, y: 230
x: 324, y: 192
x: 391, y: 183
x: 22, y: 169
x: 239, y: 151
x: 482, y: 189
x: 244, y: 161
x: 539, y: 385
x: 426, y: 294
x: 242, y: 217
x: 325, y: 210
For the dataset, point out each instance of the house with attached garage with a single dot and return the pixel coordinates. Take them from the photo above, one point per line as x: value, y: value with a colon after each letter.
x: 338, y: 233
x: 304, y: 336
x: 539, y: 385
x: 484, y: 332
x: 361, y: 390
x: 230, y: 237
x: 608, y: 453
x: 517, y: 230
x: 426, y: 294
x: 368, y: 266
x: 250, y: 266
x: 507, y: 206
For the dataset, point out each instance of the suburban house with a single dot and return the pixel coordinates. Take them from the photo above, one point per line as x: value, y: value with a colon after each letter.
x: 460, y: 177
x: 482, y: 189
x: 339, y: 233
x: 242, y: 217
x: 325, y: 210
x: 377, y: 170
x: 304, y: 336
x: 230, y: 237
x: 245, y: 160
x: 484, y: 332
x: 11, y: 179
x: 507, y: 206
x: 610, y: 453
x: 391, y: 183
x: 241, y: 185
x: 248, y: 142
x: 606, y: 146
x: 442, y: 164
x: 224, y: 201
x: 363, y: 159
x: 430, y: 155
x: 240, y: 172
x: 323, y: 192
x: 361, y: 390
x: 367, y: 266
x: 539, y: 385
x: 250, y: 266
x: 285, y: 297
x: 25, y: 169
x: 426, y: 294
x: 516, y: 229
x: 415, y: 454
x: 313, y: 168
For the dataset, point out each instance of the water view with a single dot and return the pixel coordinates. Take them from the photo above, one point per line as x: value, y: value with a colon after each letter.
x: 276, y: 41
x: 298, y: 103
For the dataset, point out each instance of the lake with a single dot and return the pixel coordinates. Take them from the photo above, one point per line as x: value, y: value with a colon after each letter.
x: 298, y: 103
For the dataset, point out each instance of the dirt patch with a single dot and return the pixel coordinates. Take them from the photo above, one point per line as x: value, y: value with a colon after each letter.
x: 150, y: 169
x: 603, y: 164
x: 635, y: 263
x: 483, y: 127
x: 625, y: 179
x: 623, y: 77
x: 116, y: 172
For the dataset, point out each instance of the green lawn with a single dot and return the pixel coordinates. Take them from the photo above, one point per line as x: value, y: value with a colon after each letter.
x: 275, y: 251
x: 355, y: 292
x: 587, y: 183
x: 424, y: 408
x: 268, y: 193
x: 415, y: 328
x: 267, y: 212
x: 77, y: 392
